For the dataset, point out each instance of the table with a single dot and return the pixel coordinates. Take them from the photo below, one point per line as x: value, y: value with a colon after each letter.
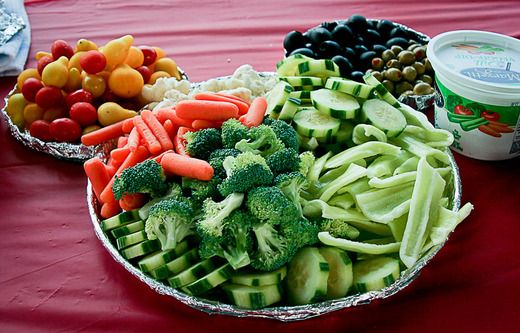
x: 55, y: 276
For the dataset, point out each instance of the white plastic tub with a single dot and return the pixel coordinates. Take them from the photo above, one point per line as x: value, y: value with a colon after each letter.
x: 477, y: 79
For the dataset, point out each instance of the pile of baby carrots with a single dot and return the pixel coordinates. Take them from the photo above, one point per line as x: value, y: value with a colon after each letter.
x: 159, y: 135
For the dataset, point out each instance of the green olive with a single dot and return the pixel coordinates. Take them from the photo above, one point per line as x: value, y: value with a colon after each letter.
x: 427, y: 65
x: 393, y: 74
x: 387, y: 55
x: 420, y: 53
x: 406, y: 58
x: 408, y: 93
x: 389, y: 85
x: 396, y: 49
x: 377, y: 75
x: 403, y: 86
x: 394, y: 63
x: 413, y: 46
x: 419, y: 67
x: 378, y: 64
x: 422, y: 88
x: 426, y: 78
x: 409, y: 73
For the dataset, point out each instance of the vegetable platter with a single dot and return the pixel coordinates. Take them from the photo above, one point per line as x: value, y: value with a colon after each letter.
x: 251, y: 227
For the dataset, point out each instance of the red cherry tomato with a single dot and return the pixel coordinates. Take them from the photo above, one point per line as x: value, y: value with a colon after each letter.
x: 30, y: 88
x: 48, y: 96
x: 44, y: 61
x: 40, y: 129
x: 83, y: 113
x: 79, y: 95
x: 109, y: 96
x: 150, y: 55
x: 489, y: 115
x: 146, y: 73
x: 461, y: 109
x: 93, y: 61
x: 65, y: 130
x: 61, y: 48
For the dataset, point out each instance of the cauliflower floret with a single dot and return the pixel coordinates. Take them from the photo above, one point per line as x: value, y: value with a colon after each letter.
x: 241, y: 92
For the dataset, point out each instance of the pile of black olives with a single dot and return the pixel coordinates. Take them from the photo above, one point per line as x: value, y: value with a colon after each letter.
x: 352, y: 44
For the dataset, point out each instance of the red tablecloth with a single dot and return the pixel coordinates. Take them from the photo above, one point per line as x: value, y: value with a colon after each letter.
x: 55, y: 276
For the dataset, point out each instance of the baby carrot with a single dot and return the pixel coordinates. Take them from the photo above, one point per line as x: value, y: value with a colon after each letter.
x: 185, y: 166
x: 103, y: 134
x: 97, y: 174
x: 242, y: 107
x: 127, y: 125
x: 255, y: 115
x: 134, y: 139
x: 199, y: 124
x: 170, y: 113
x: 119, y: 154
x: 169, y: 127
x: 132, y: 201
x: 206, y: 110
x: 157, y: 129
x: 153, y: 145
x: 122, y: 141
x: 110, y: 209
x: 233, y: 97
x: 159, y: 157
x: 179, y: 142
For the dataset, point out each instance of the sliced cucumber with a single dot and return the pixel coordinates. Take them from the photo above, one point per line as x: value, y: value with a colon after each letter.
x: 383, y: 116
x: 340, y: 275
x: 335, y: 104
x: 312, y: 123
x: 255, y: 279
x: 303, y: 95
x: 120, y: 220
x: 127, y: 229
x: 253, y: 297
x: 323, y: 68
x: 375, y: 273
x: 276, y: 98
x: 289, y: 65
x: 209, y: 281
x: 380, y: 90
x: 141, y: 249
x: 350, y: 87
x: 303, y: 82
x: 307, y: 277
x: 289, y: 109
x: 131, y: 239
x: 176, y: 266
x: 160, y: 258
x: 192, y: 273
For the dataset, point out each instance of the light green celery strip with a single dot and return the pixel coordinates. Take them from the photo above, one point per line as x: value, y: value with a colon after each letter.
x: 420, y: 149
x: 358, y: 247
x: 360, y: 185
x: 353, y: 173
x: 408, y: 165
x: 447, y: 221
x: 384, y: 205
x: 317, y: 168
x: 424, y: 209
x: 364, y: 150
x: 345, y: 201
x: 393, y: 180
x: 397, y: 227
x: 363, y: 133
x: 446, y: 171
x: 444, y: 202
x: 385, y: 165
x: 416, y: 118
x: 432, y: 137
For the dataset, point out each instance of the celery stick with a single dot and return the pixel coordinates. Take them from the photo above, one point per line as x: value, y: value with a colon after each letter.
x: 353, y: 173
x: 333, y: 174
x: 317, y: 168
x: 432, y: 137
x: 420, y: 149
x: 385, y: 165
x: 408, y: 165
x: 363, y: 133
x: 364, y: 150
x: 447, y: 221
x: 393, y: 180
x: 397, y: 227
x: 360, y: 185
x: 384, y: 205
x: 416, y: 118
x: 424, y: 209
x: 345, y: 201
x: 359, y: 247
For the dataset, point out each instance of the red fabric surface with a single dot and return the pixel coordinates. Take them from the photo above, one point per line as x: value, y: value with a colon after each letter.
x: 55, y: 276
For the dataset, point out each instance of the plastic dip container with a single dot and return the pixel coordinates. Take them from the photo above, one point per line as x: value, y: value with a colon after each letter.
x: 477, y: 83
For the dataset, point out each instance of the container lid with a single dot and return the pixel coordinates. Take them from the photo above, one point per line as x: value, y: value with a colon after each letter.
x: 481, y: 60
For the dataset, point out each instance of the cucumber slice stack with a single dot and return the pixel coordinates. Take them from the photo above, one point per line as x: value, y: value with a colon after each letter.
x: 375, y: 273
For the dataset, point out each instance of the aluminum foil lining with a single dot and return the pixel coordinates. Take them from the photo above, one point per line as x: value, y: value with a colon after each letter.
x: 10, y: 24
x: 74, y: 152
x: 282, y: 313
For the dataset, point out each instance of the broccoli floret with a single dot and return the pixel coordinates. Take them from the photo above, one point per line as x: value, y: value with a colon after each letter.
x: 284, y: 160
x: 146, y: 177
x: 213, y: 216
x: 286, y: 133
x: 271, y: 204
x: 233, y: 131
x: 244, y: 172
x: 307, y: 159
x: 261, y: 141
x: 217, y: 158
x: 302, y: 231
x: 174, y: 191
x: 291, y: 185
x: 268, y: 120
x: 170, y: 221
x: 200, y: 144
x: 273, y: 250
x: 234, y: 244
x: 338, y: 228
x: 200, y: 190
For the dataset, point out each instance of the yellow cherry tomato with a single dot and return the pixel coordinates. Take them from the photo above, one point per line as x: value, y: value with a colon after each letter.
x: 56, y: 73
x: 32, y: 112
x: 167, y: 65
x: 158, y: 75
x: 74, y: 60
x: 15, y: 106
x: 160, y: 52
x: 29, y: 72
x: 94, y: 84
x: 41, y: 54
x: 135, y: 57
x: 125, y: 81
x: 74, y: 80
x: 85, y: 45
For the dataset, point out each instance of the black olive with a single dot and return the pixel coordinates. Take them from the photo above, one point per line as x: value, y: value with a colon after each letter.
x: 350, y: 54
x: 365, y: 59
x: 397, y: 41
x: 384, y: 27
x: 398, y: 32
x: 357, y: 76
x: 329, y: 49
x: 359, y: 40
x: 345, y: 66
x: 318, y: 35
x: 372, y: 24
x: 371, y: 37
x: 329, y: 25
x: 293, y: 40
x: 309, y: 46
x: 378, y: 49
x: 357, y: 23
x: 360, y: 49
x: 343, y: 35
x: 305, y: 51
